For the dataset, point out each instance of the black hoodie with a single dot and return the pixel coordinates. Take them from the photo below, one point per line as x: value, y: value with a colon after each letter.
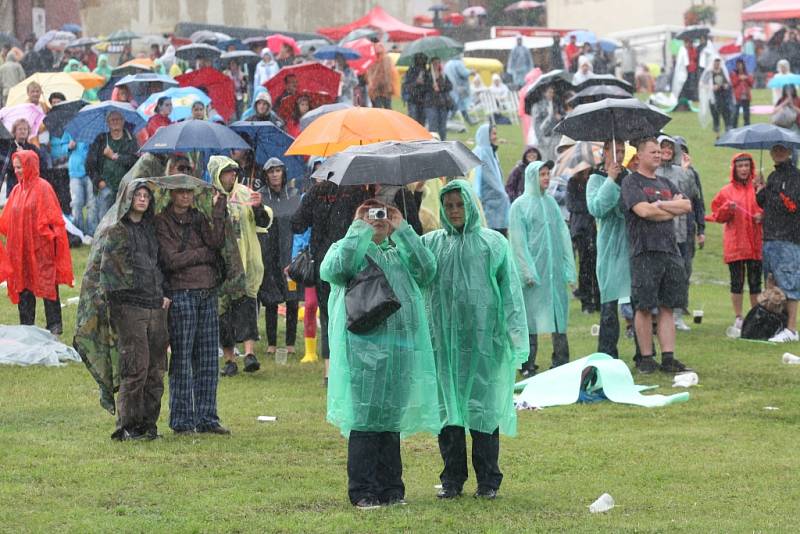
x: 780, y: 200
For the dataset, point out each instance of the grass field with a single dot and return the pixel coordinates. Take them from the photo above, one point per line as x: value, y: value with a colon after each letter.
x: 719, y: 463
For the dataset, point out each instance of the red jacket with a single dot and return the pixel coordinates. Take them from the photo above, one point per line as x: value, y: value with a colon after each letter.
x: 742, y: 84
x: 742, y: 235
x: 37, y: 249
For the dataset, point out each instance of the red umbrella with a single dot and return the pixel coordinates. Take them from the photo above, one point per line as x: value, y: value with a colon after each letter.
x: 277, y: 40
x: 218, y: 87
x: 315, y: 100
x: 366, y: 48
x: 311, y: 77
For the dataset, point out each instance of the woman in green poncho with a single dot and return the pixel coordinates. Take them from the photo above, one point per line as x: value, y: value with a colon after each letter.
x: 382, y: 383
x: 543, y: 251
x: 480, y: 336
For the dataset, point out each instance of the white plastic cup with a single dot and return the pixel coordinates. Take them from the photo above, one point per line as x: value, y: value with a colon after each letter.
x: 281, y: 356
x: 733, y: 332
x: 791, y: 359
x: 686, y: 380
x: 595, y: 331
x: 604, y: 503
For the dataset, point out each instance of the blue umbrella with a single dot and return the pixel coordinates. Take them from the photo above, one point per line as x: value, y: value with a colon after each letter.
x: 608, y: 45
x: 749, y: 63
x: 780, y: 80
x: 72, y: 28
x: 581, y: 36
x: 194, y: 135
x: 762, y: 136
x: 90, y: 121
x: 330, y: 52
x: 147, y: 77
x: 223, y: 45
x: 269, y: 141
x: 183, y: 98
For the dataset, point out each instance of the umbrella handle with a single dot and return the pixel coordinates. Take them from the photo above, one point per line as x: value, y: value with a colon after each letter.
x: 613, y: 140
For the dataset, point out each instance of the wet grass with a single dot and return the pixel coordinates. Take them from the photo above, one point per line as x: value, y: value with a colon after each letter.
x: 719, y: 463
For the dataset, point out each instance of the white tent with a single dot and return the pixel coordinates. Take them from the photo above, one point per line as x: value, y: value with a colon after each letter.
x: 507, y: 43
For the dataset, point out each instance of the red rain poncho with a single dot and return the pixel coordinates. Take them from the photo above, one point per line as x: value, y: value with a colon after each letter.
x: 742, y: 235
x: 37, y: 249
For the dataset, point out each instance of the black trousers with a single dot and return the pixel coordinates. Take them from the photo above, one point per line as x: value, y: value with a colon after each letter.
x: 59, y: 179
x: 374, y: 466
x: 323, y: 292
x: 609, y: 329
x: 588, y: 288
x: 271, y: 320
x: 485, y: 453
x: 52, y: 311
x: 560, y: 351
x: 382, y: 102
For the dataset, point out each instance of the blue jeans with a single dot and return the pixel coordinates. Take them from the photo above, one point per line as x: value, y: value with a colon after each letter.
x: 80, y: 190
x: 102, y: 202
x: 436, y: 119
x: 416, y: 112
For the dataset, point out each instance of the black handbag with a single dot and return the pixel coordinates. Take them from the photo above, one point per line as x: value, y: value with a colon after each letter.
x: 302, y: 269
x: 369, y: 299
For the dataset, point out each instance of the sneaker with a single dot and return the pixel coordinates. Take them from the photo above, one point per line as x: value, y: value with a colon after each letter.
x: 367, y: 503
x: 738, y: 323
x: 680, y: 325
x: 184, y: 432
x: 673, y: 365
x: 230, y: 369
x: 485, y: 493
x: 448, y: 493
x: 646, y: 365
x: 216, y: 429
x: 784, y: 336
x: 251, y: 364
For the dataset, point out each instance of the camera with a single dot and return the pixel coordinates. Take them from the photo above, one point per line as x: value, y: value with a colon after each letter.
x: 376, y: 213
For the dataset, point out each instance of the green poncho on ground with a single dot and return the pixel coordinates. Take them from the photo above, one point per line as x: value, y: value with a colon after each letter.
x: 94, y: 339
x: 243, y: 223
x: 478, y: 325
x: 383, y: 381
x: 542, y: 249
x: 613, y: 259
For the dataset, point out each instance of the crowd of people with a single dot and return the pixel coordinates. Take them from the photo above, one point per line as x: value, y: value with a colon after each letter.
x: 479, y: 267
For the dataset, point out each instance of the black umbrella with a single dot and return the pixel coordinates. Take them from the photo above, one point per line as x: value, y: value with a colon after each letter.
x: 245, y: 56
x: 759, y: 136
x: 192, y: 52
x: 598, y: 92
x: 83, y: 42
x: 611, y: 119
x: 397, y: 163
x: 692, y: 32
x: 60, y: 114
x: 127, y: 70
x: 605, y: 79
x: 558, y: 78
x: 120, y: 36
x: 5, y: 135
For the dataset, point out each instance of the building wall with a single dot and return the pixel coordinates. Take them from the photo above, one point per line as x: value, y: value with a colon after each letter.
x: 607, y: 16
x: 160, y: 16
x: 58, y: 13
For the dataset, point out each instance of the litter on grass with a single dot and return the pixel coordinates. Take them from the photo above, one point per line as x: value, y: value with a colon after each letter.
x: 31, y: 345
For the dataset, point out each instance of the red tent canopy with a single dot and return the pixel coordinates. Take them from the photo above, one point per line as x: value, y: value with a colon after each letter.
x: 218, y: 87
x: 773, y: 10
x: 381, y: 20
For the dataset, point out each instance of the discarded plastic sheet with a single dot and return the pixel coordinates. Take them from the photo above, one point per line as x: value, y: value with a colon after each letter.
x: 266, y: 418
x: 685, y: 380
x: 31, y: 345
x: 771, y: 408
x: 562, y: 385
x: 791, y: 359
x: 604, y: 503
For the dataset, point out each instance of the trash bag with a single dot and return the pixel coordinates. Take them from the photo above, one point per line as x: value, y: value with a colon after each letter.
x: 369, y: 299
x: 31, y: 345
x: 760, y: 323
x: 302, y: 268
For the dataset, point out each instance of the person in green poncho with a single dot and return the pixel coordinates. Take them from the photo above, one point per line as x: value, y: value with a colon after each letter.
x: 543, y: 251
x: 247, y: 217
x: 480, y: 336
x: 382, y: 383
x: 103, y: 68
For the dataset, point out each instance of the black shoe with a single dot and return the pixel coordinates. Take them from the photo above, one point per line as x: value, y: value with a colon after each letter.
x: 230, y: 369
x: 251, y: 364
x: 646, y: 365
x: 325, y: 382
x: 528, y: 370
x: 394, y: 501
x: 673, y: 365
x: 448, y: 493
x: 367, y: 503
x: 216, y: 429
x: 185, y: 432
x: 485, y: 493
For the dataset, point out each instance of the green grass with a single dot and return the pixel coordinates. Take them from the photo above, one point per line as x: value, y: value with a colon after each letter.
x: 719, y: 463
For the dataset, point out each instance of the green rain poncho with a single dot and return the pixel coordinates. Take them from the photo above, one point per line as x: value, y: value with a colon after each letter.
x: 477, y: 314
x: 383, y: 381
x: 94, y: 339
x: 103, y: 68
x: 243, y: 223
x: 613, y: 261
x: 543, y: 251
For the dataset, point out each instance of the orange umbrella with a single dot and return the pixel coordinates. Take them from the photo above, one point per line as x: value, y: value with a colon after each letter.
x: 89, y: 80
x: 335, y: 131
x: 145, y: 62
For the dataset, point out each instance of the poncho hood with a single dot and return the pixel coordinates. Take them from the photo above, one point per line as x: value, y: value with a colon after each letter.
x: 30, y: 166
x: 743, y: 155
x: 473, y: 220
x: 532, y: 186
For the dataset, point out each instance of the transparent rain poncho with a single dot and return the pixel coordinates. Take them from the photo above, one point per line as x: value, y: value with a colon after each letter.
x: 542, y: 249
x: 478, y: 325
x: 613, y: 259
x: 383, y: 381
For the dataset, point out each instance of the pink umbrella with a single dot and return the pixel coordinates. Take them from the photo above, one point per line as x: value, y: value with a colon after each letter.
x: 366, y: 48
x: 474, y: 11
x: 523, y: 4
x: 277, y: 40
x: 30, y: 112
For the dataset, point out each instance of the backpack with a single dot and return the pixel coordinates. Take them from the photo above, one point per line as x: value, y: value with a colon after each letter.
x: 760, y: 323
